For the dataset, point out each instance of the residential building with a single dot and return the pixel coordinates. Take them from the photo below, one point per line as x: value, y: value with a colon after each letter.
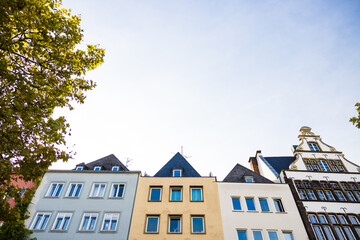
x: 177, y: 203
x: 253, y: 207
x: 325, y: 186
x: 93, y: 201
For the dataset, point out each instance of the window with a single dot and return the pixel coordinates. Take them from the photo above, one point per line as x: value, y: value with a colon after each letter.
x: 257, y: 235
x: 273, y: 236
x: 314, y: 147
x: 115, y: 168
x: 288, y: 236
x: 350, y: 196
x: 264, y: 205
x: 342, y: 219
x: 313, y: 219
x: 349, y: 233
x: 340, y: 233
x: 155, y: 194
x: 357, y: 194
x: 152, y: 224
x: 329, y: 234
x: 55, y: 189
x: 324, y: 185
x: 319, y: 233
x: 97, y: 168
x: 352, y: 186
x: 197, y: 224
x: 309, y: 167
x: 340, y: 196
x: 278, y: 205
x: 196, y: 194
x: 324, y: 166
x: 236, y: 203
x: 98, y: 190
x: 322, y: 218
x: 175, y: 224
x: 41, y: 220
x: 345, y: 186
x: 354, y: 220
x: 311, y: 194
x: 302, y: 195
x: 175, y: 193
x: 307, y: 185
x: 177, y: 173
x: 335, y: 169
x: 79, y: 168
x: 329, y: 195
x: 250, y: 204
x: 334, y: 186
x: 298, y: 184
x: 110, y: 222
x: 249, y: 179
x: 88, y: 222
x: 321, y: 195
x: 333, y: 219
x: 316, y: 168
x: 117, y: 190
x: 62, y: 221
x: 74, y: 190
x: 357, y: 231
x: 241, y: 235
x: 341, y: 169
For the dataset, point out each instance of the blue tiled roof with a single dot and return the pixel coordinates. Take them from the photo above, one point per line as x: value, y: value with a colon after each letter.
x: 177, y: 162
x: 276, y: 164
x: 239, y: 172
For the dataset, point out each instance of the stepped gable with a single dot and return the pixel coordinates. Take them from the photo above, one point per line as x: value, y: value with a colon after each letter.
x: 276, y: 164
x: 177, y: 162
x: 239, y: 172
x: 106, y: 164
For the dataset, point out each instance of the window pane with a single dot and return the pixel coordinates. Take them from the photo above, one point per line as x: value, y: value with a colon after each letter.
x: 46, y: 219
x: 340, y: 233
x: 152, y: 224
x: 328, y: 233
x: 242, y: 235
x: 196, y: 194
x: 92, y: 222
x: 236, y: 203
x: 85, y: 223
x: 278, y: 205
x: 287, y: 236
x: 175, y: 194
x: 175, y: 225
x: 264, y: 205
x: 155, y: 194
x: 250, y: 204
x: 72, y: 186
x: 349, y: 233
x: 319, y: 233
x: 198, y: 224
x: 273, y: 236
x: 257, y: 235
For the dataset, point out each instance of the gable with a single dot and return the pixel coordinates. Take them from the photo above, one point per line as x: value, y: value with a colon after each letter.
x: 177, y: 162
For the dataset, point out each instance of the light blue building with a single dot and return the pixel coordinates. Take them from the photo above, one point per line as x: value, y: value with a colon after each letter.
x: 93, y: 201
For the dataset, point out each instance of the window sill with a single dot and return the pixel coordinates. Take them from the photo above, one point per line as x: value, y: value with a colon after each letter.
x: 280, y: 212
x: 266, y: 212
x: 252, y: 211
x: 238, y: 210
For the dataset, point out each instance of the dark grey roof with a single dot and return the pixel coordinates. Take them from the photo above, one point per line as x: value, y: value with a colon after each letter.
x: 239, y: 172
x: 106, y: 164
x: 276, y: 164
x: 177, y: 162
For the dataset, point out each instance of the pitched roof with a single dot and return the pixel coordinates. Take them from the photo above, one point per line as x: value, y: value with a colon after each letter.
x: 276, y: 164
x: 177, y: 162
x: 239, y: 172
x: 106, y: 164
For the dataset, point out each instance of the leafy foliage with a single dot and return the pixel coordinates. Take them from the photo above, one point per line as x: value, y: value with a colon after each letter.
x: 40, y: 69
x: 356, y: 120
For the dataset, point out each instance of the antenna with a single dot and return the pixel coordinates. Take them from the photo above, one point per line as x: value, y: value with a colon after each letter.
x: 182, y: 153
x: 128, y: 162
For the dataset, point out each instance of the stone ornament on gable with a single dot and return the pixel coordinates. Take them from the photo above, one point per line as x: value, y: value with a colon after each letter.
x: 294, y: 167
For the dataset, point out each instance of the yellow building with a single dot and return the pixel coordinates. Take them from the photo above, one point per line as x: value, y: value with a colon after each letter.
x: 177, y: 203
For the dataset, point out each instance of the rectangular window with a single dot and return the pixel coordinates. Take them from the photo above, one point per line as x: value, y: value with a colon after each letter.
x: 298, y: 184
x: 88, y: 222
x: 309, y: 167
x: 357, y: 229
x: 324, y: 166
x: 357, y: 194
x: 177, y: 173
x: 354, y: 220
x: 316, y: 168
x: 98, y: 190
x: 322, y: 218
x: 117, y: 190
x: 249, y: 179
x: 311, y: 194
x: 350, y: 196
x: 62, y: 221
x: 342, y: 169
x: 115, y: 168
x: 302, y: 195
x: 273, y: 235
x: 319, y: 233
x: 152, y: 224
x: 197, y: 224
x: 174, y: 224
x: 349, y: 233
x: 175, y: 194
x: 97, y: 168
x: 278, y: 205
x: 196, y: 194
x: 340, y: 196
x: 313, y: 219
x: 257, y: 235
x: 74, y: 190
x: 335, y: 169
x: 307, y: 185
x: 155, y: 194
x: 340, y: 233
x: 110, y: 222
x: 241, y: 235
x: 236, y: 203
x: 314, y: 147
x: 333, y: 219
x: 324, y: 185
x: 79, y: 168
x: 334, y: 186
x: 329, y: 195
x: 321, y: 195
x: 352, y: 186
x: 54, y: 190
x: 288, y: 236
x: 250, y: 204
x: 342, y: 219
x: 41, y: 220
x: 329, y: 234
x: 264, y: 205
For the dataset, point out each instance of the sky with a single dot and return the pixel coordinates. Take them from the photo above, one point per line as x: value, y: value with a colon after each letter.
x: 223, y: 79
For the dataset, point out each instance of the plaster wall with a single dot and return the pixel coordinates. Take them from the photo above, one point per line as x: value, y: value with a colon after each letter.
x: 334, y: 207
x: 320, y: 176
x: 265, y: 170
x: 77, y: 206
x: 257, y: 220
x: 209, y: 208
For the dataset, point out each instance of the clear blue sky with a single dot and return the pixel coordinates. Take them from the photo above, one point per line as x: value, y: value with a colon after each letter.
x: 221, y: 78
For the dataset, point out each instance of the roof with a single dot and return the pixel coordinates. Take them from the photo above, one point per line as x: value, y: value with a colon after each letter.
x: 276, y: 164
x: 177, y: 162
x: 239, y: 172
x: 106, y: 164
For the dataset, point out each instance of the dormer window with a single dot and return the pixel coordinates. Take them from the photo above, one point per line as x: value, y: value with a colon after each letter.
x: 80, y: 168
x: 177, y: 172
x: 249, y: 179
x: 97, y: 168
x: 115, y: 168
x: 314, y: 147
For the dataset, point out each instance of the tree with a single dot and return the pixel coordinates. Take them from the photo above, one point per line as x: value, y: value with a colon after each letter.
x: 41, y: 69
x: 356, y: 120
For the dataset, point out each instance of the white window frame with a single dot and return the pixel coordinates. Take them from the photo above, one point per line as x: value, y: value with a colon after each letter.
x: 157, y: 225
x: 117, y: 191
x: 75, y: 190
x: 202, y: 194
x: 92, y: 195
x: 56, y: 189
x: 111, y: 216
x: 175, y: 170
x: 64, y: 215
x: 272, y: 231
x: 91, y: 215
x: 97, y: 168
x: 257, y: 230
x: 232, y: 203
x: 179, y: 217
x: 288, y: 232
x: 115, y: 168
x: 249, y: 179
x: 41, y: 221
x: 154, y: 187
x: 203, y: 224
x: 176, y: 188
x: 79, y: 168
x: 281, y: 206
